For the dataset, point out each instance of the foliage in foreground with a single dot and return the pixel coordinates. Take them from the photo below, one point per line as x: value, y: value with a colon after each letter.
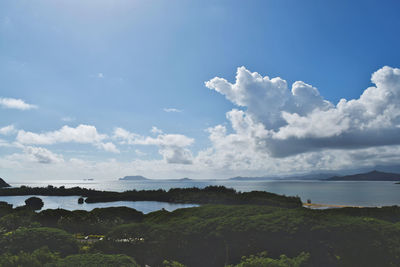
x: 210, y: 235
x: 30, y: 239
x: 220, y: 235
x: 39, y: 257
x: 44, y: 257
x: 97, y: 260
x: 261, y: 260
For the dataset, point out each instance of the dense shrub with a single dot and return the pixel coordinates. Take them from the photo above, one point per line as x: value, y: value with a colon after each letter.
x: 219, y: 235
x: 34, y: 203
x: 261, y: 260
x: 38, y: 258
x: 17, y: 219
x: 97, y: 260
x: 30, y: 239
x: 44, y: 257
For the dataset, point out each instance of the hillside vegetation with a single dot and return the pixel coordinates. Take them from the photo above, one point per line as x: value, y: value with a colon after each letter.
x: 210, y: 235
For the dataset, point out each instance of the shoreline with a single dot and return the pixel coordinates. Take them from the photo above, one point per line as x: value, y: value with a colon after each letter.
x: 330, y: 206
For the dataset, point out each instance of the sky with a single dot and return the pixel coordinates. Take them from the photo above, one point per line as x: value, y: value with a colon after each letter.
x: 201, y: 89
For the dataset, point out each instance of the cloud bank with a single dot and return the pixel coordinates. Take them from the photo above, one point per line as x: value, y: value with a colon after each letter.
x: 84, y: 134
x: 284, y: 122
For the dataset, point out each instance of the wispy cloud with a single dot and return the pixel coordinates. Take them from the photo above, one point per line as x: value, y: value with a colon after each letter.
x: 140, y: 153
x: 173, y: 147
x: 172, y: 110
x: 67, y: 119
x: 155, y: 130
x: 13, y: 103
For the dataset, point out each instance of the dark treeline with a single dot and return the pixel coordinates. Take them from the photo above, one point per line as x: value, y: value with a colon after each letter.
x: 210, y: 235
x: 215, y: 235
x: 207, y: 195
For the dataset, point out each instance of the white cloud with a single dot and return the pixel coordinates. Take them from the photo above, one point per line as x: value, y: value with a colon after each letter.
x: 7, y: 130
x: 67, y: 119
x: 124, y: 136
x: 283, y: 122
x: 38, y: 155
x: 161, y: 140
x: 100, y: 75
x: 155, y: 130
x: 13, y: 103
x: 84, y: 134
x: 4, y: 143
x: 275, y: 129
x: 110, y: 147
x: 173, y: 147
x: 80, y: 134
x: 266, y: 98
x: 172, y: 110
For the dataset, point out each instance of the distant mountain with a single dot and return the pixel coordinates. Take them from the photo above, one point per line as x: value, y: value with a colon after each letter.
x: 185, y: 179
x: 369, y: 176
x: 310, y: 176
x: 133, y: 178
x: 3, y: 183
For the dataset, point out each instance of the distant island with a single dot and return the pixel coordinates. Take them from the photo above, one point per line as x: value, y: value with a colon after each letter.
x: 185, y: 179
x: 369, y: 176
x: 3, y: 183
x: 134, y: 178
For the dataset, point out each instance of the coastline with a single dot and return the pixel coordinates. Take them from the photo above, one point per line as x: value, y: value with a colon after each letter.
x: 329, y: 206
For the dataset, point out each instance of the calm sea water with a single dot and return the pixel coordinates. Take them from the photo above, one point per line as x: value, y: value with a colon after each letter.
x: 71, y: 203
x: 322, y: 192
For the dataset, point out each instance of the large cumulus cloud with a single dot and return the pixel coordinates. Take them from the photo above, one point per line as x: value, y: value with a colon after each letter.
x: 284, y: 122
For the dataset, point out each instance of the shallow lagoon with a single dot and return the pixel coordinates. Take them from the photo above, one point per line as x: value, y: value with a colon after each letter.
x: 71, y: 203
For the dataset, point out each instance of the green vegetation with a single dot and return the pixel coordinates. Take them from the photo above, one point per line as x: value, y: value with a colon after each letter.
x: 93, y: 222
x: 29, y: 239
x: 209, y: 235
x: 219, y: 235
x: 262, y: 260
x: 97, y: 260
x: 44, y: 257
x: 34, y: 203
x: 172, y: 264
x: 39, y: 257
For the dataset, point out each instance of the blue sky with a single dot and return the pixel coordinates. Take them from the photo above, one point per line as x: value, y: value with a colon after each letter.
x: 110, y: 71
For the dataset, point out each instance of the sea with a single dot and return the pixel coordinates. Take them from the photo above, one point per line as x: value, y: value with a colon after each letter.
x: 347, y: 193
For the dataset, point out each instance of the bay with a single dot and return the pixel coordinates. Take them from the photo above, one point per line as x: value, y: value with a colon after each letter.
x: 351, y: 193
x: 71, y: 203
